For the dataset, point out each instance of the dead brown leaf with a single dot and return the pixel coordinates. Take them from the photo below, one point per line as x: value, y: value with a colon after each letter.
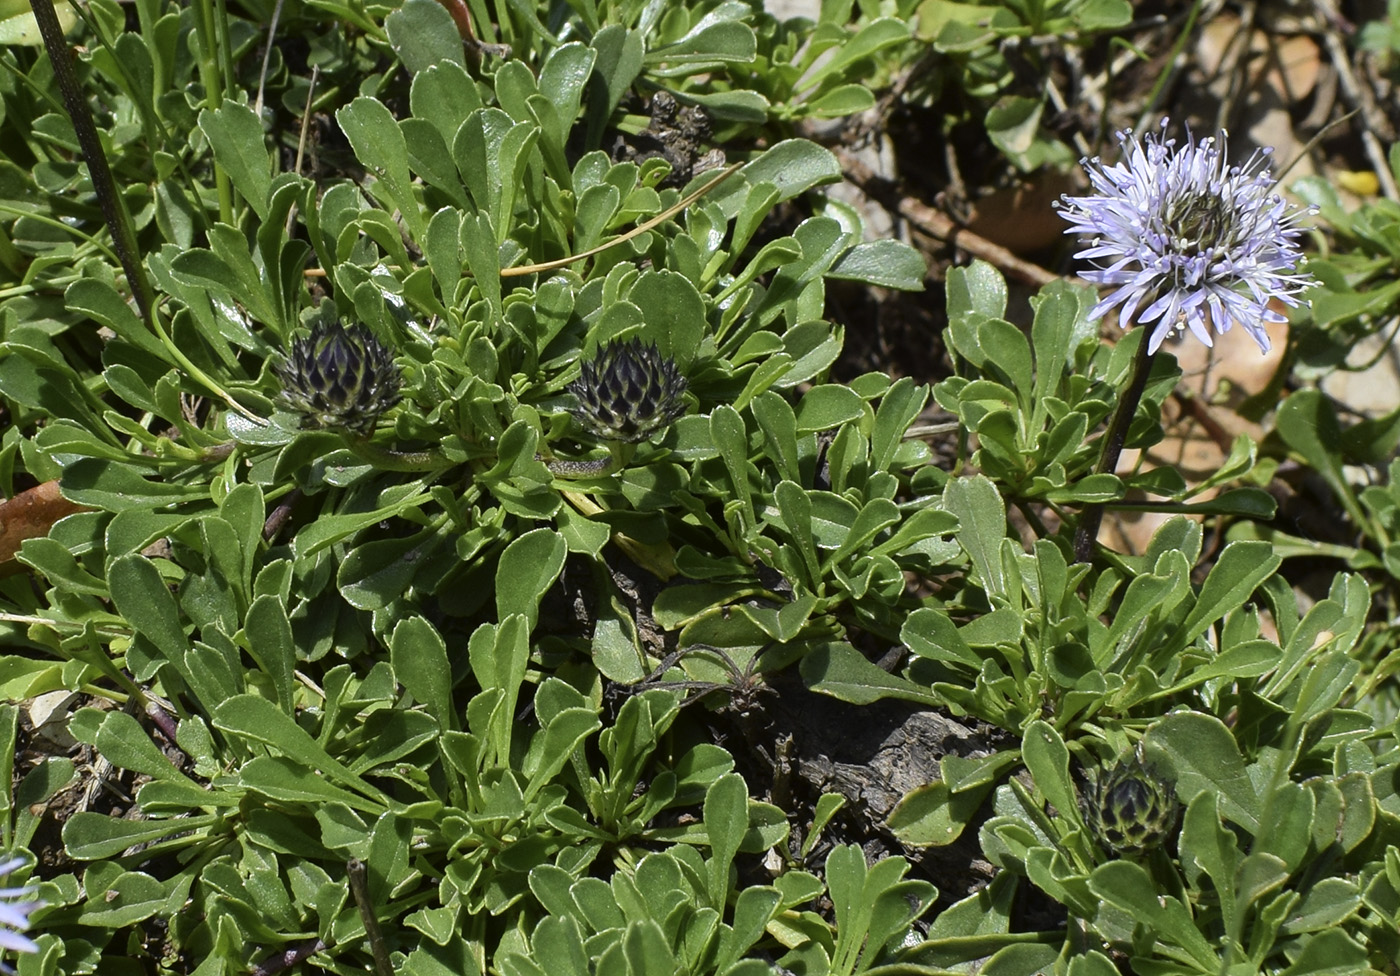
x: 30, y: 515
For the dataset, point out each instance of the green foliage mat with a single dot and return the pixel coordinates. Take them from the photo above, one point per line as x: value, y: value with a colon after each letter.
x: 396, y: 658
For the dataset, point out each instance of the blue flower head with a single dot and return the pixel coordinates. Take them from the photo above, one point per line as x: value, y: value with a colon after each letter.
x: 1187, y: 240
x: 15, y: 907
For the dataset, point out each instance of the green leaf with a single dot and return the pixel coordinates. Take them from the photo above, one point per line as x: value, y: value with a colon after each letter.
x: 982, y: 515
x: 512, y: 158
x: 379, y: 144
x: 729, y: 434
x: 563, y: 76
x: 422, y: 34
x: 92, y: 836
x: 726, y: 819
x: 258, y: 720
x: 898, y: 408
x: 887, y: 263
x: 376, y: 573
x: 1252, y: 503
x: 933, y: 815
x: 31, y: 377
x: 793, y: 166
x: 873, y: 37
x: 616, y: 648
x: 828, y: 406
x: 1093, y: 963
x: 719, y: 41
x: 226, y: 268
x: 1308, y: 424
x: 1013, y: 125
x: 236, y: 136
x: 429, y: 157
x: 795, y: 509
x: 419, y: 659
x: 330, y: 529
x: 1047, y: 758
x: 271, y: 646
x: 1204, y: 756
x: 1205, y: 841
x: 1328, y: 904
x: 742, y: 105
x: 124, y: 743
x: 132, y: 897
x: 753, y: 910
x: 1247, y: 660
x: 287, y: 780
x: 1098, y: 15
x: 1126, y: 885
x: 103, y: 303
x: 1287, y: 830
x: 445, y: 95
x: 841, y: 671
x: 18, y: 26
x: 1329, y: 953
x: 779, y: 425
x: 479, y: 247
x: 527, y: 569
x: 1239, y: 570
x: 620, y: 54
x: 1027, y: 959
x: 673, y: 313
x: 142, y: 597
x: 1009, y: 355
x: 979, y: 288
x: 563, y: 737
x: 842, y: 100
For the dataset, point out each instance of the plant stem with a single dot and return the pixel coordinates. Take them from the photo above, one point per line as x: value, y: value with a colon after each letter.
x: 359, y: 888
x: 113, y: 209
x: 211, y: 78
x: 1087, y: 530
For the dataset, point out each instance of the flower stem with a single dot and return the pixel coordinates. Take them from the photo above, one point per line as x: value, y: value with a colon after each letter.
x: 1087, y: 530
x: 109, y: 201
x: 359, y: 887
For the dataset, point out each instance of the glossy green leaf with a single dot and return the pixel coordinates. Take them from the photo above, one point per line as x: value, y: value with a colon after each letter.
x: 380, y: 146
x: 726, y: 821
x: 982, y: 515
x: 887, y: 263
x: 236, y: 136
x: 843, y: 672
x: 423, y: 33
x: 527, y: 569
x: 419, y: 657
x: 271, y: 645
x: 1204, y: 756
x: 255, y: 719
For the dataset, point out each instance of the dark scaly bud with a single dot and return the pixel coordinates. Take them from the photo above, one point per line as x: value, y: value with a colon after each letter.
x: 339, y: 377
x: 628, y: 392
x: 1132, y: 809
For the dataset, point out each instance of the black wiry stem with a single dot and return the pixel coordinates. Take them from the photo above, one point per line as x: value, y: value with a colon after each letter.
x: 1087, y: 531
x: 113, y: 213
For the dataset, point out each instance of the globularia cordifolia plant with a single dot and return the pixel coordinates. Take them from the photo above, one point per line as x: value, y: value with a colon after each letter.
x: 1186, y: 240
